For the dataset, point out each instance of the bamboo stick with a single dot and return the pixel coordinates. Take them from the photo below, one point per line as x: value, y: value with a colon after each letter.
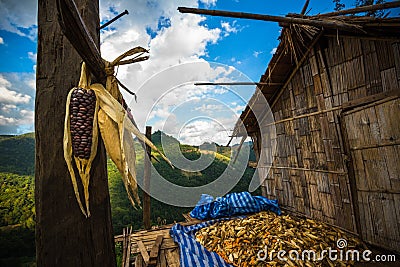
x: 360, y: 9
x: 304, y: 21
x: 239, y: 83
x: 297, y: 67
x: 302, y: 169
x: 375, y: 146
x: 304, y: 115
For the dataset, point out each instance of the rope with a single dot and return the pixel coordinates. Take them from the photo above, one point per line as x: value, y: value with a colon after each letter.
x: 112, y: 81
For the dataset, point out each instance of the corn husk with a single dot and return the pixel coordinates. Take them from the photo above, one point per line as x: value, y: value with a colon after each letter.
x: 117, y: 132
x: 83, y: 165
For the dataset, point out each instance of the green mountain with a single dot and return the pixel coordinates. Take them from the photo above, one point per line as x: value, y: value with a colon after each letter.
x: 17, y: 154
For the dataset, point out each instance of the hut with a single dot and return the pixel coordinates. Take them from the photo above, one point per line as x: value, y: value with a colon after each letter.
x: 334, y: 95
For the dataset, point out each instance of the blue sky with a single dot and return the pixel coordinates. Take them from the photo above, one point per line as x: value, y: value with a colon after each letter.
x: 194, y: 114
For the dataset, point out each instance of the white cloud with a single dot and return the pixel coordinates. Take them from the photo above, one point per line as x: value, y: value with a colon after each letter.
x: 6, y: 121
x: 19, y: 17
x: 7, y: 107
x: 10, y: 96
x: 273, y: 51
x: 228, y: 28
x: 257, y: 53
x: 200, y: 131
x: 209, y: 3
x: 1, y: 40
x: 16, y: 103
x: 32, y: 56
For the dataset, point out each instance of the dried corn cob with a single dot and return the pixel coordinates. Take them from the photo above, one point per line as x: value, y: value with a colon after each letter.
x: 81, y: 135
x: 82, y: 107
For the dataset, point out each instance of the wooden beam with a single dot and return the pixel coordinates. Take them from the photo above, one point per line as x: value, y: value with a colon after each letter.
x: 143, y: 252
x: 303, y: 21
x: 303, y: 11
x: 239, y: 83
x: 155, y: 250
x: 355, y: 10
x: 78, y: 35
x: 146, y: 183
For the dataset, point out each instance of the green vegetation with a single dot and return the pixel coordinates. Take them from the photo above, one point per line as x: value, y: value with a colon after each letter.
x: 17, y: 192
x: 17, y: 154
x: 17, y: 211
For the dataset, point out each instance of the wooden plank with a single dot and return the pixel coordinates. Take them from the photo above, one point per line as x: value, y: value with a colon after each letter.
x: 172, y: 257
x: 156, y: 248
x: 143, y: 252
x: 162, y: 262
x: 396, y: 201
x: 167, y: 244
x: 388, y: 118
x: 392, y: 156
x: 377, y: 218
x: 376, y: 172
x: 392, y: 235
x: 139, y: 261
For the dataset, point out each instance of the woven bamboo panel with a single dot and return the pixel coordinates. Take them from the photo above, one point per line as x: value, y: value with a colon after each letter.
x: 311, y: 174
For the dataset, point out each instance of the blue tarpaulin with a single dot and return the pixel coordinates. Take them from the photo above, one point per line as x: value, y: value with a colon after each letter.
x: 231, y: 205
x: 191, y: 252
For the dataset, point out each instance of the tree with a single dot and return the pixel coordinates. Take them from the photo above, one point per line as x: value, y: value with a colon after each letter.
x: 376, y: 13
x: 64, y: 237
x: 338, y: 5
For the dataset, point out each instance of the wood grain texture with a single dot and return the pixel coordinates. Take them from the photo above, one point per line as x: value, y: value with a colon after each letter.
x: 64, y: 237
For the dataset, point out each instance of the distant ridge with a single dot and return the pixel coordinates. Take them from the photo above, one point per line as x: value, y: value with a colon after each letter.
x: 17, y: 154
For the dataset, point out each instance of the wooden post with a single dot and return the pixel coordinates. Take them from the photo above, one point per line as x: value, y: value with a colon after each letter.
x: 146, y: 183
x: 64, y: 237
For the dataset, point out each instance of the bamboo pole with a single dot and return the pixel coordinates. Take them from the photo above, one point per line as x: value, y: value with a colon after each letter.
x: 239, y: 83
x: 299, y: 64
x: 360, y: 9
x: 304, y: 115
x: 304, y: 21
x: 302, y: 169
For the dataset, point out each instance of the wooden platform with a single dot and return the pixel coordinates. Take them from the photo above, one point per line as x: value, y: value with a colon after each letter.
x: 167, y: 254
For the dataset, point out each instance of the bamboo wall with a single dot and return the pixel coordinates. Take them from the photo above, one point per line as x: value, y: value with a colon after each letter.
x: 309, y: 173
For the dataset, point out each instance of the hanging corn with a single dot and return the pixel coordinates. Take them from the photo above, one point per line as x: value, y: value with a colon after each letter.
x: 81, y: 134
x: 91, y: 108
